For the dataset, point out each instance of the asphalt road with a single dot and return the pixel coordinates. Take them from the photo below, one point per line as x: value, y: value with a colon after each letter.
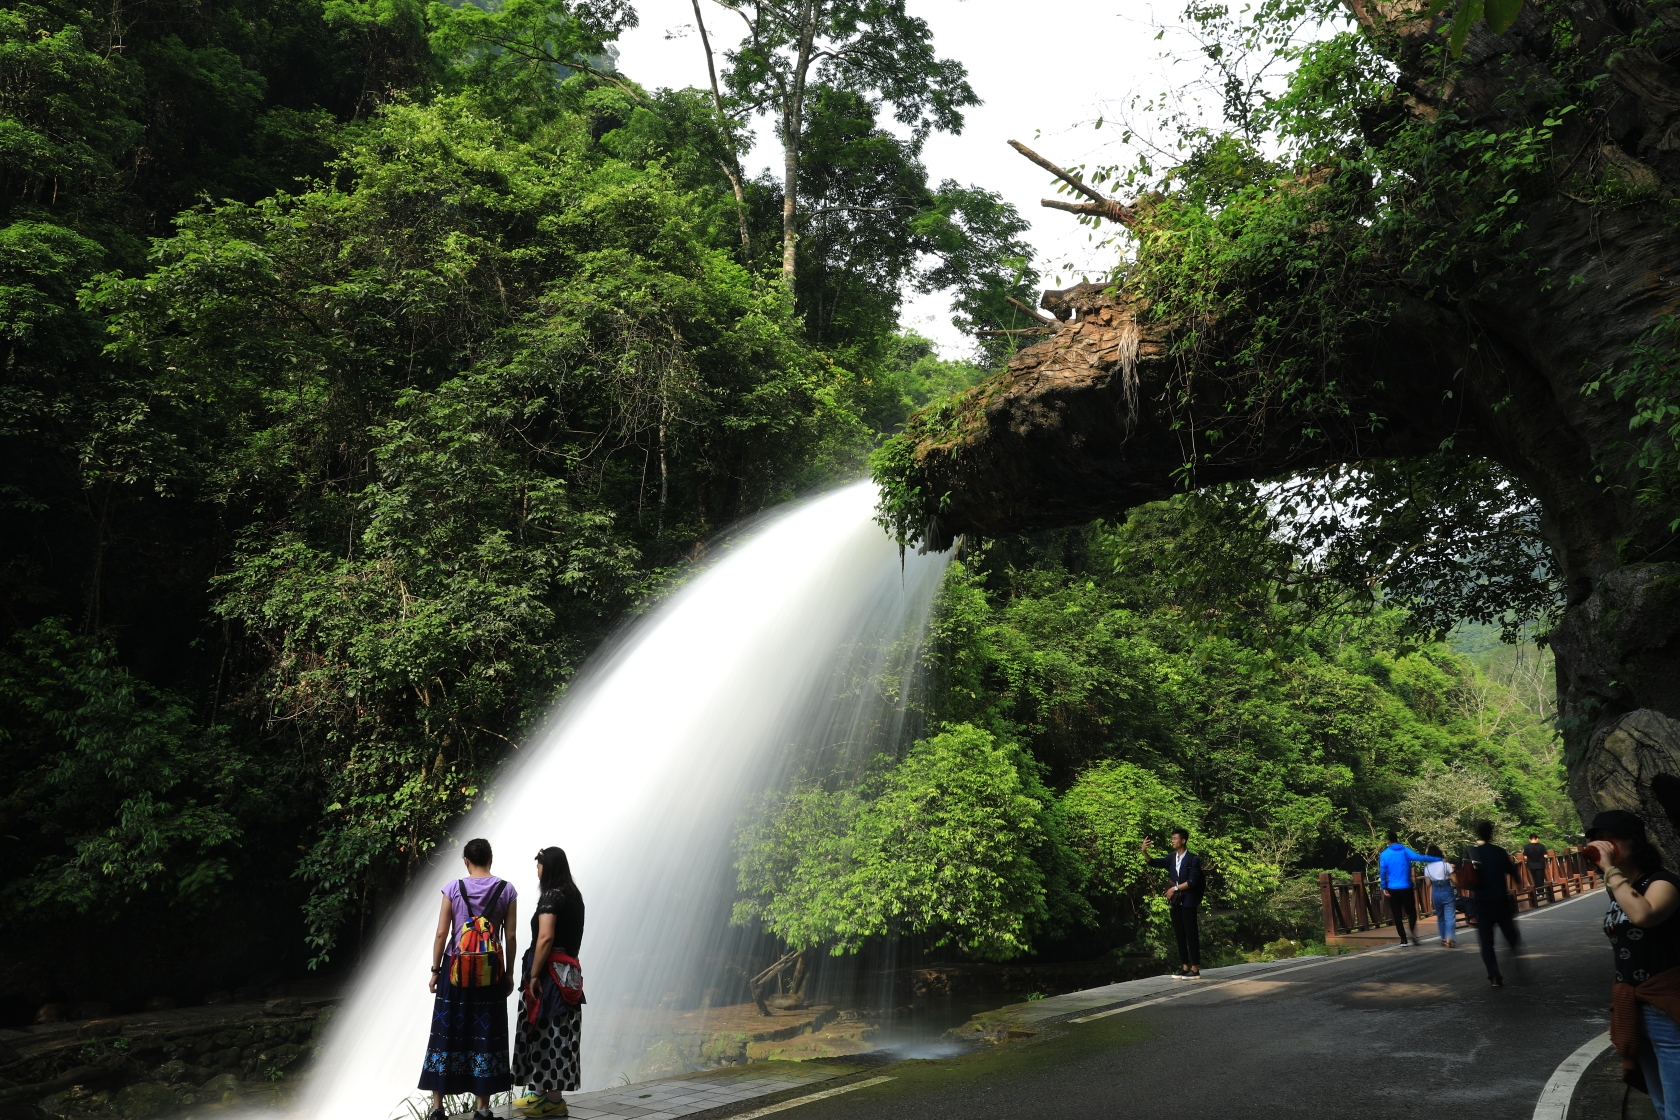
x: 1405, y: 1033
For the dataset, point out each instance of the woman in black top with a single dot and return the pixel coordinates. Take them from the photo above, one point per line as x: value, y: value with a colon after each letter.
x: 550, y: 1027
x: 1645, y: 938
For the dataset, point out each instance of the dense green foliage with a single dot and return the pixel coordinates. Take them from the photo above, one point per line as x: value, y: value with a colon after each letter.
x: 365, y: 364
x: 1126, y: 679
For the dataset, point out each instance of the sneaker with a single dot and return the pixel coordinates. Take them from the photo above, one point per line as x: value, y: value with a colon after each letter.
x: 1497, y: 981
x: 529, y: 1100
x: 544, y: 1107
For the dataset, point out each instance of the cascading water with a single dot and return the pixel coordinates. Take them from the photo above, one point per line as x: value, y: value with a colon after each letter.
x: 774, y: 652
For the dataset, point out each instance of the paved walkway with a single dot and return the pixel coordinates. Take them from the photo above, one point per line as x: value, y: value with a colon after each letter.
x: 1387, y: 1034
x: 686, y: 1096
x: 1379, y: 1034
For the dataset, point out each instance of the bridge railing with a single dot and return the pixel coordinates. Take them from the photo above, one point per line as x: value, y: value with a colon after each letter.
x: 1355, y: 911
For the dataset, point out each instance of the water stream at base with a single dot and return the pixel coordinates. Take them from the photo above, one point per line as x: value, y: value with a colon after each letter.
x: 776, y: 652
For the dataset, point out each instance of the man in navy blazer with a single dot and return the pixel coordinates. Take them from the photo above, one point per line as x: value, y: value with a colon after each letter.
x: 1183, y: 899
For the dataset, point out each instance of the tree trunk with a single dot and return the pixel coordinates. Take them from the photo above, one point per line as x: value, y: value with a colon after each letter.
x: 1085, y: 423
x: 732, y: 169
x: 793, y: 123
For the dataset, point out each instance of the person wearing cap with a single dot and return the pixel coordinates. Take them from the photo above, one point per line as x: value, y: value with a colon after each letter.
x: 1495, y: 875
x: 1645, y: 938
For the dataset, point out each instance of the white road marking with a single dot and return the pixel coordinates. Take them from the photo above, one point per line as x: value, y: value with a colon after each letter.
x: 1554, y: 1098
x: 795, y: 1102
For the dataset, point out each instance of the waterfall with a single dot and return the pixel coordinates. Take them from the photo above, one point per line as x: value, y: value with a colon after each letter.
x: 773, y: 654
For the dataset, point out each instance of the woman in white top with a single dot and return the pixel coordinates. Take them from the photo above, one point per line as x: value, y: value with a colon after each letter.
x: 1445, y: 898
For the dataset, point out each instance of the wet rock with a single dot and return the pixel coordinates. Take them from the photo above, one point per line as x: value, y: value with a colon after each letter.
x: 218, y: 997
x: 287, y: 1006
x: 100, y: 1028
x: 53, y: 1013
x: 175, y: 1072
x: 77, y: 1102
x: 145, y: 1100
x: 221, y: 1087
x: 160, y: 1003
x: 725, y: 1048
x: 93, y: 1009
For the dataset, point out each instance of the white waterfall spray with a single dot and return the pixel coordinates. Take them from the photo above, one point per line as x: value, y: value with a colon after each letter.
x: 642, y: 776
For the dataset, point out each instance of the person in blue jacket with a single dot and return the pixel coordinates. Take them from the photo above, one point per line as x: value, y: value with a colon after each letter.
x: 1395, y: 868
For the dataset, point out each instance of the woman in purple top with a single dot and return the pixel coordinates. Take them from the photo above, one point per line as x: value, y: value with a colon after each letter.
x: 468, y: 1049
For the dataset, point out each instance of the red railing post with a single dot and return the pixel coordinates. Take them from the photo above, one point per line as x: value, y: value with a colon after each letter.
x: 1328, y: 903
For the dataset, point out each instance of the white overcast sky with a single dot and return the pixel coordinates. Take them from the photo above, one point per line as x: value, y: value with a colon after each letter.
x: 1042, y: 73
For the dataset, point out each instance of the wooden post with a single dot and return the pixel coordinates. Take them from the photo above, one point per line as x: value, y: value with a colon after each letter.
x: 1328, y: 905
x: 1361, y: 902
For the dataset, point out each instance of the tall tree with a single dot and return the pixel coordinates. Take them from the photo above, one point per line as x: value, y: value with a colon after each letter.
x: 873, y: 48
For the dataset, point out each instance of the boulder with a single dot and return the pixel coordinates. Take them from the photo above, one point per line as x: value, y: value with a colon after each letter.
x: 145, y: 1100
x: 53, y: 1013
x: 288, y: 1006
x: 100, y: 1028
x: 174, y: 1072
x: 220, y: 1086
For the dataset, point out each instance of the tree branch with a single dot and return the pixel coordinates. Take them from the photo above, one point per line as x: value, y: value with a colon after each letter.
x: 1108, y: 208
x: 1045, y: 319
x: 1067, y: 177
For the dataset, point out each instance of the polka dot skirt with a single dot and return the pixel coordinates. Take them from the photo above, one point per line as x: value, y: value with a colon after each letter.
x: 545, y: 1053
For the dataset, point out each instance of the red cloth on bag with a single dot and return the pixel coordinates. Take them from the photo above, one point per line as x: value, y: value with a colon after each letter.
x: 573, y: 996
x: 1627, y: 1029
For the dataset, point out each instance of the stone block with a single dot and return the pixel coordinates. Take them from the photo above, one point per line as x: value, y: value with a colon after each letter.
x: 145, y: 1100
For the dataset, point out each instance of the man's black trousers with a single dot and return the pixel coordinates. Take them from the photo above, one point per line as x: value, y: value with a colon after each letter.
x: 1403, y: 903
x: 1491, y: 913
x: 1189, y: 935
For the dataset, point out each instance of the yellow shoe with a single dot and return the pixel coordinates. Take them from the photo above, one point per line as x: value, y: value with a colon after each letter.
x: 542, y: 1106
x: 529, y: 1100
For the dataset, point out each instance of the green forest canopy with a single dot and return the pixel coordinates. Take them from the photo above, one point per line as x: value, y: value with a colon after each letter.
x: 367, y: 362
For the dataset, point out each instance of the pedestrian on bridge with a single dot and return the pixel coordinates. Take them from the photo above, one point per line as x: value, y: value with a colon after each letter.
x: 1491, y: 871
x: 1442, y: 894
x: 1395, y: 868
x: 1184, y: 896
x: 1534, y: 854
x: 1644, y: 933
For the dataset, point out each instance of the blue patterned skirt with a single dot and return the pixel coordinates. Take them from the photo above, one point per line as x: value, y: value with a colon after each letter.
x: 468, y: 1050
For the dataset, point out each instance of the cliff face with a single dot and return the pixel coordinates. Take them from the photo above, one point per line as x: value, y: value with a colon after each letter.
x: 1111, y: 408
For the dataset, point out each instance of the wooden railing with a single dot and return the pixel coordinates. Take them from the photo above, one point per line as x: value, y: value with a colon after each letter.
x: 1356, y: 911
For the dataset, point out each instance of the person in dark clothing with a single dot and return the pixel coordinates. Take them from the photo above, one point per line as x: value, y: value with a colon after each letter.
x: 1534, y: 854
x: 1643, y: 925
x: 549, y: 1035
x: 1495, y: 875
x: 1184, y: 896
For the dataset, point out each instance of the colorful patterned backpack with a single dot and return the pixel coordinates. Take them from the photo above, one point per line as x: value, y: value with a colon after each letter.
x: 478, y: 960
